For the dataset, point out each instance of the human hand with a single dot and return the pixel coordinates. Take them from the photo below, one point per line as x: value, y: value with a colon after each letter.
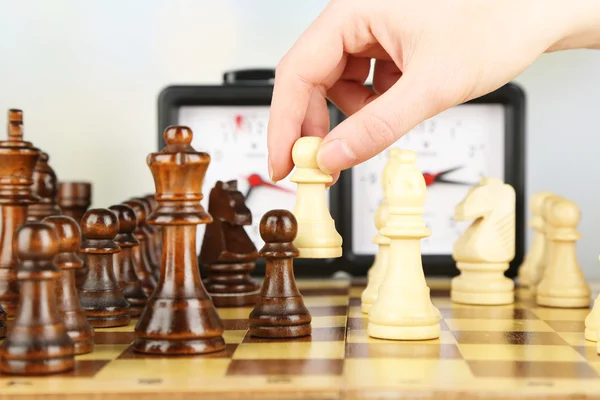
x: 430, y: 56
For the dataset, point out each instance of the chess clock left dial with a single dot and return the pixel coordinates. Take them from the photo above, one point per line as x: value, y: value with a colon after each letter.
x: 236, y: 139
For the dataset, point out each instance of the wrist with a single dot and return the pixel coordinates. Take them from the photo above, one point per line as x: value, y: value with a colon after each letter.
x: 580, y: 24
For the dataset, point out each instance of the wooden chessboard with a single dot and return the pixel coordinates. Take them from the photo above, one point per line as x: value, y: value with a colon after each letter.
x: 512, y: 351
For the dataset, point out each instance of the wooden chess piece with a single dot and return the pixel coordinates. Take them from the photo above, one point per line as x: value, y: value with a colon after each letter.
x: 74, y: 199
x: 180, y: 317
x: 317, y: 235
x: 69, y: 307
x: 101, y: 297
x: 227, y: 252
x: 123, y: 260
x: 528, y: 271
x: 141, y: 263
x: 158, y: 236
x: 38, y: 342
x: 403, y: 309
x: 151, y: 232
x: 45, y: 186
x: 280, y: 311
x: 17, y: 162
x: 563, y: 284
x: 485, y: 249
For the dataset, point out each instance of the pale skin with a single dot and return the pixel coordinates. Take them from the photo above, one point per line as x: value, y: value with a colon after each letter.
x: 430, y: 55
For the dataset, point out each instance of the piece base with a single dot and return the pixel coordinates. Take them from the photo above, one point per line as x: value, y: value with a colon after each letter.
x: 37, y: 367
x: 84, y: 347
x: 179, y: 347
x: 109, y: 321
x: 234, y: 299
x: 427, y: 332
x: 280, y: 331
x: 482, y: 298
x: 591, y: 335
x: 315, y: 252
x: 136, y: 311
x: 563, y: 302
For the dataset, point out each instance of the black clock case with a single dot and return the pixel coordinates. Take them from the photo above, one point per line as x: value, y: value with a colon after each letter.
x: 511, y: 96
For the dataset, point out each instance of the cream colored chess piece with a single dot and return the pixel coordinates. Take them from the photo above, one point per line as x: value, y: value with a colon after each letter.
x: 379, y: 268
x: 530, y: 267
x: 487, y: 246
x: 381, y: 216
x: 592, y: 322
x: 537, y: 276
x: 563, y: 284
x: 317, y: 236
x: 403, y: 309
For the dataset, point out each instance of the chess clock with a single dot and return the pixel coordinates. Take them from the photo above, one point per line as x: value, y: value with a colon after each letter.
x: 229, y: 122
x: 483, y: 137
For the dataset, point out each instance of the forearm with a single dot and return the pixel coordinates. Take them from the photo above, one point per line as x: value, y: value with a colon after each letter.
x: 581, y: 24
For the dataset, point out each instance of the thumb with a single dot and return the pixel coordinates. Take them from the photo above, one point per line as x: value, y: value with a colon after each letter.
x: 379, y: 124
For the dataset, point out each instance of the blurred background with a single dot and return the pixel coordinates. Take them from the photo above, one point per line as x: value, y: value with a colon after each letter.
x: 87, y: 75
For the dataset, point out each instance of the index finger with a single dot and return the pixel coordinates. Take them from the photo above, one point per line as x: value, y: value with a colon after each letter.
x: 311, y: 64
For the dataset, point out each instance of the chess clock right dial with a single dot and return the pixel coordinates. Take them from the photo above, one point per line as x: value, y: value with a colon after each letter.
x: 454, y: 150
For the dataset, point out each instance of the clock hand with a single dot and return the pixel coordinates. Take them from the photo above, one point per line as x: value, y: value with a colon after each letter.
x: 430, y: 178
x: 255, y: 180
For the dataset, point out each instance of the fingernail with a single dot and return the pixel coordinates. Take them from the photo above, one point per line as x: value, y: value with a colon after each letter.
x: 335, y: 156
x: 271, y: 172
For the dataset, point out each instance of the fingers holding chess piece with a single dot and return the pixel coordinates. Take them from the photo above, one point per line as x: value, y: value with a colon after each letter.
x: 317, y: 236
x: 101, y: 297
x: 280, y: 311
x: 38, y: 343
x: 69, y: 307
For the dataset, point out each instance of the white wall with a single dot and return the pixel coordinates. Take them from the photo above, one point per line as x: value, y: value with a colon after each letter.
x: 87, y: 73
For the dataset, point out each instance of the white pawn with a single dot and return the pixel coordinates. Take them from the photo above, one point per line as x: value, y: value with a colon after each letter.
x: 403, y: 309
x: 563, y: 284
x: 537, y: 275
x: 483, y: 252
x: 529, y: 269
x: 377, y: 272
x: 592, y: 322
x: 381, y: 216
x: 317, y: 236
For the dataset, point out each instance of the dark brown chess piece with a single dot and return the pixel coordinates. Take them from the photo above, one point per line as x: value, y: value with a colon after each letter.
x: 158, y: 229
x: 151, y: 232
x: 227, y: 252
x: 123, y: 260
x: 38, y: 342
x: 180, y: 317
x: 141, y: 264
x: 17, y: 162
x: 45, y: 186
x: 280, y: 311
x: 69, y: 307
x: 101, y: 297
x: 74, y: 199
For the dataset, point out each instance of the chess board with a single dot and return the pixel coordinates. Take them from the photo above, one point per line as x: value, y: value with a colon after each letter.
x: 514, y: 351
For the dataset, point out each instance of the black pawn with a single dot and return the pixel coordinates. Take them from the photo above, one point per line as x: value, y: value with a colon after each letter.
x: 101, y: 297
x: 280, y: 311
x: 123, y: 263
x: 38, y: 343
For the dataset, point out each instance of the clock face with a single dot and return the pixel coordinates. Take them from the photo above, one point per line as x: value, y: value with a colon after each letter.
x: 236, y: 139
x: 468, y: 140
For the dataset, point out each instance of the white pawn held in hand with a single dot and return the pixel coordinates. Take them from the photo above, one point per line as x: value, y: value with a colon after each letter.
x: 563, y: 284
x: 317, y: 236
x: 403, y: 309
